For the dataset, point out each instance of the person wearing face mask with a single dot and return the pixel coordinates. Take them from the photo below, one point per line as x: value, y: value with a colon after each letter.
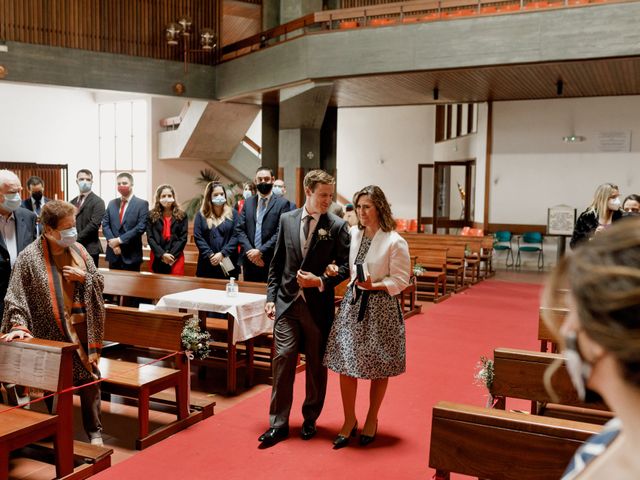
x: 604, y: 209
x: 167, y: 233
x: 631, y: 205
x: 214, y: 233
x: 258, y: 227
x: 280, y: 190
x: 55, y: 293
x: 123, y: 224
x: 248, y: 190
x: 36, y: 200
x: 600, y: 339
x: 17, y: 228
x: 90, y: 210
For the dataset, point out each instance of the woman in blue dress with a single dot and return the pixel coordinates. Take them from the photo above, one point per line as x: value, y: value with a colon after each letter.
x: 214, y: 233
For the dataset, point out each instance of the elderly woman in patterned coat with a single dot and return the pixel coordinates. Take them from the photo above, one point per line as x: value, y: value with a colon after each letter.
x: 55, y: 293
x: 367, y: 339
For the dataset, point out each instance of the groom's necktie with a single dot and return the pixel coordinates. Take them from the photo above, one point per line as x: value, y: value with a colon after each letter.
x: 262, y: 206
x: 306, y: 230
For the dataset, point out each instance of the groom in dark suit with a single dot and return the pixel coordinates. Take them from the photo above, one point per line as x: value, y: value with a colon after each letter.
x: 300, y: 298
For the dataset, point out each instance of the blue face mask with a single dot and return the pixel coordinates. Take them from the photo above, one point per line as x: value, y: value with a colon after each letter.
x: 246, y: 194
x: 218, y: 200
x: 84, y: 186
x: 67, y: 237
x: 277, y: 191
x: 11, y: 202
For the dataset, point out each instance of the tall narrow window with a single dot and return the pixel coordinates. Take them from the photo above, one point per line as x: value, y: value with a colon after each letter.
x: 123, y: 146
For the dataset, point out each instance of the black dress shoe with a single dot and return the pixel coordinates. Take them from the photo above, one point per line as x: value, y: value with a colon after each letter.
x: 341, y: 441
x: 308, y: 430
x: 273, y: 436
x: 366, y: 439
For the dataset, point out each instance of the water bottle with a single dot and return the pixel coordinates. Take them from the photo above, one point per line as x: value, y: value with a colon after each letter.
x: 232, y: 288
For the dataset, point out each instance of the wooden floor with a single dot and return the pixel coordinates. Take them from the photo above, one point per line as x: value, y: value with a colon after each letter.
x: 119, y: 416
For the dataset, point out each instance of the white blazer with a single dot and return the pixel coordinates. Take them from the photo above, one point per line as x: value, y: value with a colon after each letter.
x: 387, y: 259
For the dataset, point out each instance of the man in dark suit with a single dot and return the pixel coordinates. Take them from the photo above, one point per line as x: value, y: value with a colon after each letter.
x: 123, y: 224
x: 300, y: 298
x: 17, y: 228
x: 35, y: 185
x: 258, y: 227
x: 90, y: 210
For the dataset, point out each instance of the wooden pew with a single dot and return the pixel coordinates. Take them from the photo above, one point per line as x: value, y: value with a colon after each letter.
x: 519, y: 374
x: 546, y: 335
x: 153, y: 286
x: 499, y: 445
x: 149, y: 329
x: 45, y: 365
x: 432, y: 282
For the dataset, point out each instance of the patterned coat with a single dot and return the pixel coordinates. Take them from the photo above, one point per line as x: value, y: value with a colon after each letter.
x: 34, y: 302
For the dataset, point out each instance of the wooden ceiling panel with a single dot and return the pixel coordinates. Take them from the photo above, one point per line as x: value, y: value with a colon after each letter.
x: 601, y: 77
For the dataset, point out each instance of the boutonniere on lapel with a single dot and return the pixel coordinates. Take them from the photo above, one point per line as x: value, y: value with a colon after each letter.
x: 323, y: 234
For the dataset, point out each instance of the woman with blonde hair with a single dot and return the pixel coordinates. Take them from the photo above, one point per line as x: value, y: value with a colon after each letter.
x: 167, y: 227
x: 604, y: 209
x: 600, y: 339
x: 367, y: 339
x: 214, y: 233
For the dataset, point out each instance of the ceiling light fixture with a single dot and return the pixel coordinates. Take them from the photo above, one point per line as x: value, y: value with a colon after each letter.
x: 573, y: 139
x: 181, y: 31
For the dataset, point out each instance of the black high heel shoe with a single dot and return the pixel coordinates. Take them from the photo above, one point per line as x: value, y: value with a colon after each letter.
x: 341, y: 441
x: 366, y: 439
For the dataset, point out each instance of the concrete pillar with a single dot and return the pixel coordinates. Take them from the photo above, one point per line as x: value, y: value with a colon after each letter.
x: 270, y: 136
x: 270, y: 14
x: 302, y: 113
x: 292, y: 9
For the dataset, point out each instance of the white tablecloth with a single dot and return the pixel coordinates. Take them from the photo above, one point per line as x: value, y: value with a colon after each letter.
x: 247, y: 309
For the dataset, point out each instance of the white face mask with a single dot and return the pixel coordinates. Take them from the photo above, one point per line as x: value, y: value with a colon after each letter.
x: 614, y: 204
x: 246, y: 194
x: 166, y: 201
x: 218, y: 199
x: 84, y: 186
x: 67, y: 237
x: 11, y: 202
x: 277, y: 191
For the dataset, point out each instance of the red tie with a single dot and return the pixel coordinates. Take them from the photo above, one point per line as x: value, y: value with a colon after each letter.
x: 80, y: 201
x: 122, y: 205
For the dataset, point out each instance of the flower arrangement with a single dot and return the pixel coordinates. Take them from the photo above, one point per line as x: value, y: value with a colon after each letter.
x: 484, y: 372
x: 195, y: 342
x: 418, y: 269
x: 323, y: 234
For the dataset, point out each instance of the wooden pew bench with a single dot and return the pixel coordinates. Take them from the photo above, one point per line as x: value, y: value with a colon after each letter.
x: 45, y: 365
x: 158, y: 330
x: 495, y: 444
x: 432, y: 282
x: 546, y: 335
x: 152, y: 286
x: 519, y: 374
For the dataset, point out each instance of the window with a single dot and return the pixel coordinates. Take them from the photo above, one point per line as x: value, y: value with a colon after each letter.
x: 456, y: 120
x: 123, y: 146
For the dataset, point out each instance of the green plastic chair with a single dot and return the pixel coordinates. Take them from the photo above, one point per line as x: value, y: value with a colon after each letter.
x: 531, y: 242
x: 501, y: 243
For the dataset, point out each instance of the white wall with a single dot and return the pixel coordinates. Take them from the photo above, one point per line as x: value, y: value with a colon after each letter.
x: 49, y: 125
x: 383, y: 146
x: 533, y: 169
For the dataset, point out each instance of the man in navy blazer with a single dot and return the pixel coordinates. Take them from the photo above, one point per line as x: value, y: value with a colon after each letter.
x: 123, y: 224
x: 17, y: 228
x: 257, y: 229
x: 36, y: 200
x: 90, y: 208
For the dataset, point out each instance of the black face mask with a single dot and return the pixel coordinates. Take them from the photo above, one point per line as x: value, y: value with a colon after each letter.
x: 265, y: 188
x: 37, y: 196
x: 631, y: 214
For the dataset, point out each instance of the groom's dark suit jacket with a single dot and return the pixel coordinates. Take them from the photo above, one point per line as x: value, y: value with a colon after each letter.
x: 323, y: 249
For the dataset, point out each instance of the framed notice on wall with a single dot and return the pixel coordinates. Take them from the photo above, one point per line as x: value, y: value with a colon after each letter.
x: 560, y: 220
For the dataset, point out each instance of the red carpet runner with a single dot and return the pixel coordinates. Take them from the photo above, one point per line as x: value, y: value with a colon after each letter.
x: 443, y: 347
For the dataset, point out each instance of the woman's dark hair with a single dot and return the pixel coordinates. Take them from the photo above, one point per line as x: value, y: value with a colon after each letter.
x: 207, y: 205
x: 158, y: 210
x: 633, y: 197
x: 603, y: 276
x: 387, y: 223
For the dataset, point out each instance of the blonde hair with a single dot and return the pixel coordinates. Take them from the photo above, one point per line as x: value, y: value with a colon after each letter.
x: 207, y: 209
x: 315, y: 177
x: 601, y: 198
x: 603, y: 276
